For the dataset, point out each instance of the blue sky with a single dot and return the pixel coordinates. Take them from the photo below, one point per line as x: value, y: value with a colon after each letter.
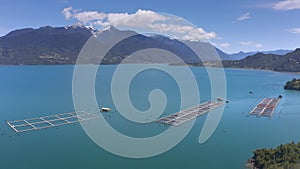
x: 248, y: 25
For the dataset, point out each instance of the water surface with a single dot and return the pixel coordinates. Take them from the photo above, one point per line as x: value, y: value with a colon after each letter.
x: 31, y: 91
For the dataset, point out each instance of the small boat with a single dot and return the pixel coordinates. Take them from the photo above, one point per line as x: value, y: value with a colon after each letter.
x: 105, y: 109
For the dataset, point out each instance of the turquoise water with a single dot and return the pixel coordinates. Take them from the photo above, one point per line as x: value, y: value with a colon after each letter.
x: 31, y: 91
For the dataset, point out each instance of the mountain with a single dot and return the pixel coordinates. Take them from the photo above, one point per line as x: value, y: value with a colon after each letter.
x: 241, y: 55
x: 278, y: 52
x: 139, y: 42
x: 46, y: 45
x: 289, y: 62
x: 223, y: 55
x: 61, y: 45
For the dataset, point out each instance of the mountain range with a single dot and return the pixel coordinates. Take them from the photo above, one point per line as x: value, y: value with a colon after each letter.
x: 61, y: 45
x: 289, y: 62
x: 241, y: 55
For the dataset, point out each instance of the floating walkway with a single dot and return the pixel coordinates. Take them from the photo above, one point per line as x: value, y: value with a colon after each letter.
x: 49, y: 121
x: 190, y: 113
x: 266, y: 107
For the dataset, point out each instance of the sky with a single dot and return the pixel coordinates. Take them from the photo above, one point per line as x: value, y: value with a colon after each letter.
x: 231, y: 25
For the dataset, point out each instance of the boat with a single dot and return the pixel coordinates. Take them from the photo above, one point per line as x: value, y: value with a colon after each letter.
x: 105, y: 109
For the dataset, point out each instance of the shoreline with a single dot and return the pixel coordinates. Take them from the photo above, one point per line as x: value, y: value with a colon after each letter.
x: 235, y: 68
x: 267, y: 70
x: 250, y: 164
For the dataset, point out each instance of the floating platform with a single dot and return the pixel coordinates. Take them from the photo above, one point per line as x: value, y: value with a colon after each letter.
x: 190, y: 113
x: 49, y: 121
x: 266, y: 107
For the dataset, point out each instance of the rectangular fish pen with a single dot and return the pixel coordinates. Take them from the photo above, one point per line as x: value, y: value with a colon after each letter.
x: 190, y: 113
x: 38, y: 123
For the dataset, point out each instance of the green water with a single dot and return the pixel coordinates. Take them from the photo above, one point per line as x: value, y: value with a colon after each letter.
x: 31, y: 91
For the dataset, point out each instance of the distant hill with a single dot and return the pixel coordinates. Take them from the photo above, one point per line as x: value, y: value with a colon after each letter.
x: 241, y: 55
x: 289, y: 62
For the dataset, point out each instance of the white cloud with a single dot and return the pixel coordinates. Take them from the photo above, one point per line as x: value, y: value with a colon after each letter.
x: 82, y: 16
x: 141, y: 19
x: 287, y: 5
x: 67, y: 12
x: 224, y: 45
x: 251, y: 44
x: 86, y: 17
x: 244, y: 17
x: 295, y: 30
